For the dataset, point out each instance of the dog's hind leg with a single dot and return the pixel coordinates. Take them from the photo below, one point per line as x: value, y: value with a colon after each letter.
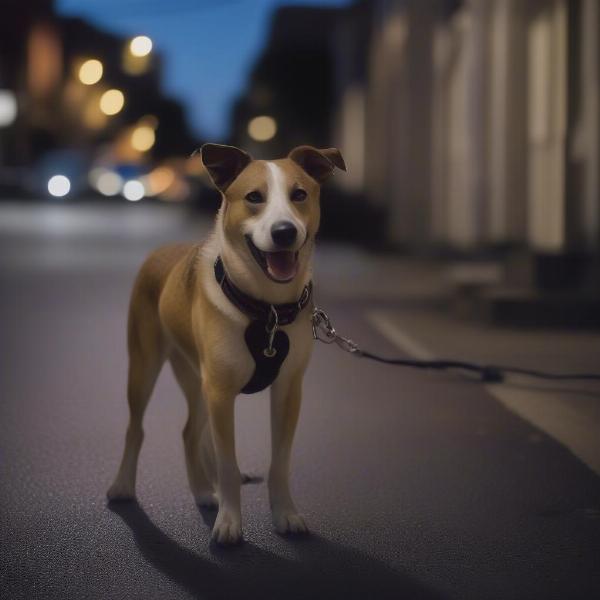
x: 196, y: 424
x: 146, y: 357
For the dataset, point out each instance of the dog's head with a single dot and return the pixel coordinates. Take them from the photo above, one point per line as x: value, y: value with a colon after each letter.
x: 271, y: 211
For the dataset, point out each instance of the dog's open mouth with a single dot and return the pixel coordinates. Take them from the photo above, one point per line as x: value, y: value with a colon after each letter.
x: 279, y: 266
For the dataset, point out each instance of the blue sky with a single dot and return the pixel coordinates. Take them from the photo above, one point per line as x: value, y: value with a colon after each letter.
x: 208, y: 46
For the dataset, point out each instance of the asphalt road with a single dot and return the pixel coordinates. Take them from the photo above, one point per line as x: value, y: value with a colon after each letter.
x: 414, y: 485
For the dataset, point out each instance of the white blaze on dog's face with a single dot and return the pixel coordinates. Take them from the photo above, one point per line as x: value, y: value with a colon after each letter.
x: 271, y: 208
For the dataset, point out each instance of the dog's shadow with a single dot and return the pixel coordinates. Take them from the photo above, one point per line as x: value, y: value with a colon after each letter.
x: 319, y: 568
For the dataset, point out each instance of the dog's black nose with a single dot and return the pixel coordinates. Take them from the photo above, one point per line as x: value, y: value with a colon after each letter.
x: 283, y: 233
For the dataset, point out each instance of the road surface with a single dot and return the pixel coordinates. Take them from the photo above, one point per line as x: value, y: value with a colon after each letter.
x: 414, y: 485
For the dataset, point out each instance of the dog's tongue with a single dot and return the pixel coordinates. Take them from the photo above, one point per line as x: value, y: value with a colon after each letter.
x: 281, y: 265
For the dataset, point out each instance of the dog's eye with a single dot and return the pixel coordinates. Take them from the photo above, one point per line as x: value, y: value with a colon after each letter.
x: 255, y: 197
x: 299, y: 195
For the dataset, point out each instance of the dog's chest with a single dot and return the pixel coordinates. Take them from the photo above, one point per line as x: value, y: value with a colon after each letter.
x: 248, y: 356
x: 268, y: 350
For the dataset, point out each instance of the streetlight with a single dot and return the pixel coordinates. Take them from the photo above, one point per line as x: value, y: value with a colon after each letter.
x: 262, y: 128
x: 112, y: 101
x: 143, y: 138
x: 90, y: 72
x: 59, y: 186
x: 133, y: 190
x: 107, y: 182
x: 140, y: 45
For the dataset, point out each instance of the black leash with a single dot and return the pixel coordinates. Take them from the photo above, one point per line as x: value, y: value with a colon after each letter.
x: 269, y: 346
x: 324, y: 331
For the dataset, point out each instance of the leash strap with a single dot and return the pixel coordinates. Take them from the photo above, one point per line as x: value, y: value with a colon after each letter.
x: 323, y: 331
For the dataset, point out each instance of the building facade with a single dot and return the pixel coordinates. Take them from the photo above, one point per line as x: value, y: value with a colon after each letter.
x: 476, y: 124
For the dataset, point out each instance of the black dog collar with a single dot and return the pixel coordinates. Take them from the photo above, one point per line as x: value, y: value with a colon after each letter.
x: 267, y: 345
x: 257, y: 310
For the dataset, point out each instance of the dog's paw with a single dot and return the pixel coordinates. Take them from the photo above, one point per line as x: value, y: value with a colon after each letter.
x: 289, y: 522
x: 207, y: 500
x: 227, y: 529
x: 120, y: 492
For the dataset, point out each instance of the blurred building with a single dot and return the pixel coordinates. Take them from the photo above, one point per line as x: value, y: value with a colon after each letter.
x: 475, y: 128
x: 478, y: 121
x: 292, y: 83
x: 81, y: 93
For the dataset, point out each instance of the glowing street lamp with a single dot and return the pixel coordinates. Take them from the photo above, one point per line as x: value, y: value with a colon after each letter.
x: 59, y: 186
x: 107, y: 182
x: 133, y: 190
x: 143, y: 138
x: 158, y: 180
x: 262, y: 128
x: 90, y: 72
x: 140, y: 45
x: 112, y: 101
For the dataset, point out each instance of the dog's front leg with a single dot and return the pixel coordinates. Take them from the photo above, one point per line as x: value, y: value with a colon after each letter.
x: 286, y: 397
x: 228, y: 524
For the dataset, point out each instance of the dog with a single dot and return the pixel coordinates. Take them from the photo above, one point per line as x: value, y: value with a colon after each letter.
x: 232, y: 315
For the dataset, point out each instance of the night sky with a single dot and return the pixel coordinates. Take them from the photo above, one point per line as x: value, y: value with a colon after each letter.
x: 208, y: 46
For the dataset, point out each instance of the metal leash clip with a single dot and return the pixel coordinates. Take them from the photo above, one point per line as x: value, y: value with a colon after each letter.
x: 325, y: 332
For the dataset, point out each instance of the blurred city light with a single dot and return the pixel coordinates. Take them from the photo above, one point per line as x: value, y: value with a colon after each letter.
x: 140, y: 45
x: 133, y: 190
x: 262, y: 128
x: 8, y: 108
x: 90, y: 72
x: 112, y: 101
x: 105, y: 181
x: 158, y: 180
x: 109, y: 183
x: 142, y: 138
x: 59, y: 185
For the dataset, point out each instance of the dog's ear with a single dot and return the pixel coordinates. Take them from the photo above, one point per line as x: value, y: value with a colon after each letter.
x: 223, y: 163
x: 318, y: 163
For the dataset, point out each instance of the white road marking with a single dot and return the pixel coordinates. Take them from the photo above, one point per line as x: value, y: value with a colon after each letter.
x: 554, y: 412
x: 399, y: 338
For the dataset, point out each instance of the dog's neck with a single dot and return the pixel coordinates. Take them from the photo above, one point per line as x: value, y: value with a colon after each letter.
x: 246, y: 275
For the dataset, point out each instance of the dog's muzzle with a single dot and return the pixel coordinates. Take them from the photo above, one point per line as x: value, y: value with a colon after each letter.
x: 280, y: 266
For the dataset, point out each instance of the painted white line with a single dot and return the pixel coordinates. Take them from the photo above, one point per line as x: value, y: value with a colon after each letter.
x: 555, y: 413
x: 405, y: 342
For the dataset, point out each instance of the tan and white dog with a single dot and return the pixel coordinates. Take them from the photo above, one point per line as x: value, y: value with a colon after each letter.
x: 264, y: 236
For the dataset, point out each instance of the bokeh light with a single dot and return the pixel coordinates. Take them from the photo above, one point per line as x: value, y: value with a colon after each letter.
x: 107, y: 182
x: 143, y: 138
x: 59, y: 186
x: 133, y: 190
x: 8, y: 108
x: 262, y: 128
x: 90, y: 72
x: 112, y: 101
x: 140, y: 45
x: 158, y: 180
